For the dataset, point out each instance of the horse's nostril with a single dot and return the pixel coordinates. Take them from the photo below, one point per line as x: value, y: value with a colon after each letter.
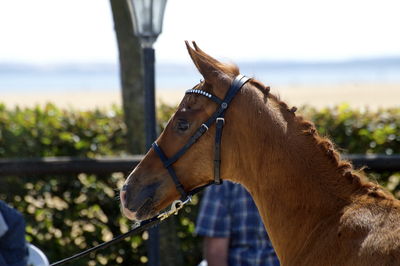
x: 127, y: 199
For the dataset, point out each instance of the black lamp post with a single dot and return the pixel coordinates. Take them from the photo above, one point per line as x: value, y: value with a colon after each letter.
x: 147, y: 18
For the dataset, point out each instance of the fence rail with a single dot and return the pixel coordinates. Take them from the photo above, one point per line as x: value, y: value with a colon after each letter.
x: 107, y: 165
x: 68, y: 165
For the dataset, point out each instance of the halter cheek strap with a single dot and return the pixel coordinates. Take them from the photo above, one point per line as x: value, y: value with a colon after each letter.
x: 219, y: 120
x: 170, y: 169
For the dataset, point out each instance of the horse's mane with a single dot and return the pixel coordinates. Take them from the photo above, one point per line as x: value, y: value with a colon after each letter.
x: 345, y: 168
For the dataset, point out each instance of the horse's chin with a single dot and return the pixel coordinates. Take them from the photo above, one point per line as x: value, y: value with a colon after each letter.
x: 130, y: 215
x: 146, y: 211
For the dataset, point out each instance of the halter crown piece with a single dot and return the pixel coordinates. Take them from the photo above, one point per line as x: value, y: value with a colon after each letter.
x: 218, y: 118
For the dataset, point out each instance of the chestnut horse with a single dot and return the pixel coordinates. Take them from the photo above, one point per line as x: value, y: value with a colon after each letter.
x: 316, y: 208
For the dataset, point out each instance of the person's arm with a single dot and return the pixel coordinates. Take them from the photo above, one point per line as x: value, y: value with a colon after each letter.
x: 215, y: 250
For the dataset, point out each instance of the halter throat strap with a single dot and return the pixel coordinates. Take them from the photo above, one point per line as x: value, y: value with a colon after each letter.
x: 218, y: 117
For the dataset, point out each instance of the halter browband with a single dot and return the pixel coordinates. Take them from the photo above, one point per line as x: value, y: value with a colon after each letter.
x: 218, y: 119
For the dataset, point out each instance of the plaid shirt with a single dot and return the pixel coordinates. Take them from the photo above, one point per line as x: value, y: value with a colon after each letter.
x: 229, y: 211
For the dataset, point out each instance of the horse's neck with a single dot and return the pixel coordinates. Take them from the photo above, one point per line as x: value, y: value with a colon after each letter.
x: 294, y: 184
x: 294, y: 203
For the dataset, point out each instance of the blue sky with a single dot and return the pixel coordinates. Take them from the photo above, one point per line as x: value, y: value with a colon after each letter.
x: 81, y: 31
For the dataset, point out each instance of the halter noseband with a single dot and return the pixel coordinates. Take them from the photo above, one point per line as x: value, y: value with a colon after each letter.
x: 218, y: 119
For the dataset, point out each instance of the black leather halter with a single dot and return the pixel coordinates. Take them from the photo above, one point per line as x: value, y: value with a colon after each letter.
x: 218, y: 119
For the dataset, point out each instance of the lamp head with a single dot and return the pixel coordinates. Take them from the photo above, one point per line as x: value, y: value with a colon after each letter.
x: 147, y: 18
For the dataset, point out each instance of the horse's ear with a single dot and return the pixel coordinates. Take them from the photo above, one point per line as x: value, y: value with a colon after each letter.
x: 209, y: 58
x: 208, y: 67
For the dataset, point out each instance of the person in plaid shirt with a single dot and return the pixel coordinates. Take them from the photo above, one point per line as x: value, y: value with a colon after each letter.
x: 232, y: 228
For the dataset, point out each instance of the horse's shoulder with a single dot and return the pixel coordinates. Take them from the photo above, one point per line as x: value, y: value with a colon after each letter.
x: 372, y: 225
x: 368, y: 213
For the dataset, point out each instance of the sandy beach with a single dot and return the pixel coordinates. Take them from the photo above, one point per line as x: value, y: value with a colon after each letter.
x: 372, y: 96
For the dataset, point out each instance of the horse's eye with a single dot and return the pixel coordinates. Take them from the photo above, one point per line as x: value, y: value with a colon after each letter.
x: 183, y: 125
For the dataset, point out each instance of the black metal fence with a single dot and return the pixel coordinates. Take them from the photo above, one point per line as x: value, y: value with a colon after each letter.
x: 67, y: 165
x: 107, y: 165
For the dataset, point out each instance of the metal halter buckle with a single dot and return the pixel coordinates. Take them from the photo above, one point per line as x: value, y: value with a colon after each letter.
x: 175, y: 207
x: 220, y: 119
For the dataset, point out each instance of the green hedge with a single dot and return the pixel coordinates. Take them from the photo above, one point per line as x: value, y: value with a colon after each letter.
x: 67, y: 213
x: 49, y: 131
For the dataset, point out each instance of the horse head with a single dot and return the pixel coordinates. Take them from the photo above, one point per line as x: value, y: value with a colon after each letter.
x: 149, y: 188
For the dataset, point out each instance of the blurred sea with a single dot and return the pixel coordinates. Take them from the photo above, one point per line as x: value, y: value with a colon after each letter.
x: 105, y: 77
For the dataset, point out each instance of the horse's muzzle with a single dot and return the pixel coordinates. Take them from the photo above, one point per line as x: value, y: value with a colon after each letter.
x: 137, y: 204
